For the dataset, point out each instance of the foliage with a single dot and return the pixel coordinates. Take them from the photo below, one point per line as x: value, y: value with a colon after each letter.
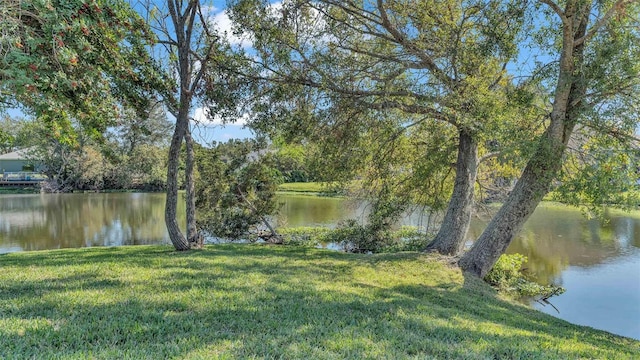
x: 7, y: 141
x: 384, y: 91
x: 291, y: 161
x: 237, y: 190
x: 408, y: 238
x: 143, y: 169
x: 91, y: 169
x: 254, y: 301
x: 353, y: 237
x: 307, y: 236
x: 372, y: 238
x: 133, y: 131
x: 598, y: 172
x: 303, y: 187
x: 148, y: 164
x: 15, y: 133
x: 88, y: 164
x: 76, y: 60
x: 508, y: 275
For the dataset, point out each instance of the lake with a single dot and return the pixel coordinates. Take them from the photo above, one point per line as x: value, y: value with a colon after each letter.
x: 597, y: 262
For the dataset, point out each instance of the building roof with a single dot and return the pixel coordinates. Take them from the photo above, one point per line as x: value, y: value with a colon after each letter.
x: 22, y: 154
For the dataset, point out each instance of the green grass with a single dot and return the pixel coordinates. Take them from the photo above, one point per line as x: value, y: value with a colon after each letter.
x: 305, y: 187
x: 19, y: 190
x: 251, y: 301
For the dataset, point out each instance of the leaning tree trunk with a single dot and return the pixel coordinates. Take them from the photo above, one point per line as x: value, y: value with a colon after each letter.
x: 546, y: 162
x: 170, y: 213
x: 532, y: 186
x: 451, y: 237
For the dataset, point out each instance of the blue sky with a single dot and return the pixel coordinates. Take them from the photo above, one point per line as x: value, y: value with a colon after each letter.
x: 205, y: 135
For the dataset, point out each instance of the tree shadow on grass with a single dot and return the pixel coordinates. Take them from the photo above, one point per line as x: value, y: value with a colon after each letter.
x: 242, y: 302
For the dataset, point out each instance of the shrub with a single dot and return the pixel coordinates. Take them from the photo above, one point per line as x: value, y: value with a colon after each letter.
x: 353, y: 237
x: 508, y: 276
x: 309, y: 236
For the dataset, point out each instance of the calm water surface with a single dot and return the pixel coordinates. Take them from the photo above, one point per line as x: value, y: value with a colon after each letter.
x: 598, y: 263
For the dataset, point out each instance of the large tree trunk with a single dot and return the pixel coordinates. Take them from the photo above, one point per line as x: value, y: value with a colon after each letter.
x: 195, y: 241
x: 183, y: 27
x: 546, y: 162
x: 532, y: 186
x: 451, y: 237
x: 170, y: 213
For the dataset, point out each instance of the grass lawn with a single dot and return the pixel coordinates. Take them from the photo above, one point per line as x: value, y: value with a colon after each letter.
x: 19, y: 190
x: 306, y: 187
x: 256, y: 301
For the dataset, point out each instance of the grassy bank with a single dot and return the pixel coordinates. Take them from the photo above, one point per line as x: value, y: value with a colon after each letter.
x: 314, y: 188
x: 250, y: 301
x: 303, y: 187
x: 19, y: 190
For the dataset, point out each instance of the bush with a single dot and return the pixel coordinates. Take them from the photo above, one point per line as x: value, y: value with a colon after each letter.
x: 353, y: 237
x: 239, y: 193
x: 407, y: 238
x: 508, y: 276
x: 308, y: 236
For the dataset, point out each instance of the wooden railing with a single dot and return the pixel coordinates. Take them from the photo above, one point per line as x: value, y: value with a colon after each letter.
x: 21, y: 177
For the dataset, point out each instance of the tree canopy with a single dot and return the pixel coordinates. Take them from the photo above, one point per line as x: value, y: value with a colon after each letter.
x: 82, y: 60
x: 428, y: 77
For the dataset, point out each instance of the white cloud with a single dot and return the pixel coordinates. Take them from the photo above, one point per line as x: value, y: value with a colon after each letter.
x: 209, y: 9
x: 201, y: 116
x: 225, y: 26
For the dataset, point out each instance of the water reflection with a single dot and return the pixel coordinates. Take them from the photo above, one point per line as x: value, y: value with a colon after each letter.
x: 304, y: 210
x: 51, y: 221
x: 557, y: 237
x: 597, y: 261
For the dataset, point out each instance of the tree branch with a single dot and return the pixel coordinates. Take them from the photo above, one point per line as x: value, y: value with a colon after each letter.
x: 617, y: 6
x: 488, y: 156
x: 557, y: 10
x: 425, y: 59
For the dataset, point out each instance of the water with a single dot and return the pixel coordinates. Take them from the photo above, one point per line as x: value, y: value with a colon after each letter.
x: 54, y: 221
x: 598, y: 263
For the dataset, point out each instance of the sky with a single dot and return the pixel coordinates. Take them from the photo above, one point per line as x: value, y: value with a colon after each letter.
x: 205, y: 131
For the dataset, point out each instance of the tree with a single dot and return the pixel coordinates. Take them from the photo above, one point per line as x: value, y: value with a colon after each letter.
x: 292, y: 161
x: 187, y: 46
x: 134, y: 150
x: 68, y: 166
x: 7, y: 135
x: 596, y: 84
x: 75, y: 60
x: 240, y: 190
x: 198, y: 58
x: 133, y: 130
x: 428, y: 62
